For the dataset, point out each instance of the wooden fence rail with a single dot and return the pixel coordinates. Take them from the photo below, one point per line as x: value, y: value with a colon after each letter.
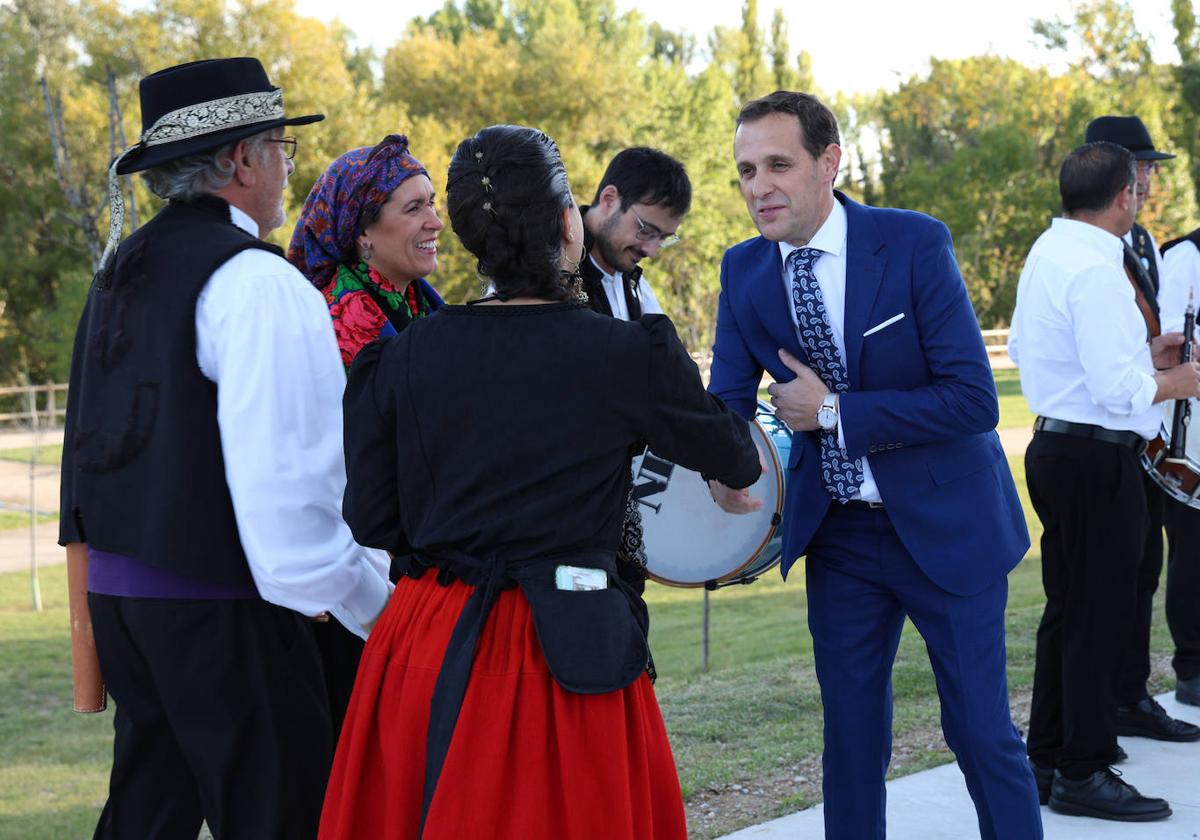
x: 21, y: 403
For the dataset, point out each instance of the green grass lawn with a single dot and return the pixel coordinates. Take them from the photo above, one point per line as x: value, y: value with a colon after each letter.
x: 12, y: 519
x: 50, y: 454
x: 757, y: 709
x: 1014, y: 412
x: 54, y: 774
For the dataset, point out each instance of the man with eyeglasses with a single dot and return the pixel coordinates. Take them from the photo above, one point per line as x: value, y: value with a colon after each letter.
x: 1138, y: 714
x: 640, y: 203
x: 641, y: 200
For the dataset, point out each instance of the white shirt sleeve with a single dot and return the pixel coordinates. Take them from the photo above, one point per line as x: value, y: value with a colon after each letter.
x: 650, y: 304
x: 264, y: 336
x: 1110, y: 339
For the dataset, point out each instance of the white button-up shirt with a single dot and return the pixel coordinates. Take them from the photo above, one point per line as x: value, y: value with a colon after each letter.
x: 830, y: 271
x: 614, y: 290
x: 264, y: 336
x: 1180, y: 278
x: 1078, y: 336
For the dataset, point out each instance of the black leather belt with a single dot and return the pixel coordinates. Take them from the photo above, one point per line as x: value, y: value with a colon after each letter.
x: 1131, y: 440
x: 859, y: 504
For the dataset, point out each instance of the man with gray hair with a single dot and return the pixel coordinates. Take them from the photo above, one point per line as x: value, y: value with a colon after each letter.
x: 203, y: 476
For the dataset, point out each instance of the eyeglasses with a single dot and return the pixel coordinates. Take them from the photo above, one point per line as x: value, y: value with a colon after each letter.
x: 1147, y: 167
x: 289, y: 145
x: 647, y: 232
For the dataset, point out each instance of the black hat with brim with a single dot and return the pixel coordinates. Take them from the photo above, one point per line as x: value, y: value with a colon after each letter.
x: 203, y: 105
x: 1129, y: 132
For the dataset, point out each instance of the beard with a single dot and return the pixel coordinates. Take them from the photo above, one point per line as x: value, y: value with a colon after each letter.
x: 617, y: 259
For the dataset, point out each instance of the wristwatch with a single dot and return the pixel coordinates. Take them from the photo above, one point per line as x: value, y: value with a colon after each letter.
x: 827, y: 414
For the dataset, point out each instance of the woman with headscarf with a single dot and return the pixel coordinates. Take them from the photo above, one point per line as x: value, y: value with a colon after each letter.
x: 503, y: 693
x: 367, y: 238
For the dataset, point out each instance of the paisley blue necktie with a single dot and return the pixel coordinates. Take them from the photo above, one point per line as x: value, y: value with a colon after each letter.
x: 842, y: 475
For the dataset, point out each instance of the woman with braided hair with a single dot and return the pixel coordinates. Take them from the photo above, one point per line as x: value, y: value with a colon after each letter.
x: 503, y: 693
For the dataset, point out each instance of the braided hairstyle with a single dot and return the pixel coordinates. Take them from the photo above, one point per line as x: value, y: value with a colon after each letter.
x: 505, y: 193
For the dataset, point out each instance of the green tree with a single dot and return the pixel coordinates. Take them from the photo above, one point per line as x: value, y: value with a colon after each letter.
x: 976, y: 143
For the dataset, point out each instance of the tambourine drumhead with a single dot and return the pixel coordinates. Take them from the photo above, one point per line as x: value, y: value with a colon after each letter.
x: 689, y: 540
x: 1180, y: 481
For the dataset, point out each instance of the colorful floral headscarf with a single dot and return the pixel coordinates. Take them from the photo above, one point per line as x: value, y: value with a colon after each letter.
x: 364, y: 306
x: 326, y: 235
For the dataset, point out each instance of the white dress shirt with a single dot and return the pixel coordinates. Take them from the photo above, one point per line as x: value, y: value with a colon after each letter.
x: 264, y: 336
x: 1180, y: 277
x: 830, y: 271
x: 614, y: 290
x: 1078, y: 336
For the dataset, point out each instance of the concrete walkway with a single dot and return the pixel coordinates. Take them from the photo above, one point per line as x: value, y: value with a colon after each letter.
x: 1015, y: 440
x: 934, y: 805
x: 15, y: 548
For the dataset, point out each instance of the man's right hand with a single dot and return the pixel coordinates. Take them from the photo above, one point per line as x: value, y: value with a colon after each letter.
x: 737, y: 501
x: 734, y: 501
x: 1178, y: 383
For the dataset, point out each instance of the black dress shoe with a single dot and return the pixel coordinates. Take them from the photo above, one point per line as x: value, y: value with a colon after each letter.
x: 1147, y: 719
x: 1106, y: 796
x: 1044, y: 776
x: 1188, y: 691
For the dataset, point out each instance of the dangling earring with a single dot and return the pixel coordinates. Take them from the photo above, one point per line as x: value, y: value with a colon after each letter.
x: 573, y: 264
x: 365, y: 252
x: 572, y: 277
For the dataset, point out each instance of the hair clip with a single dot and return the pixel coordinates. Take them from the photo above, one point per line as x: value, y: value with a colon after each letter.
x: 479, y: 156
x: 487, y: 205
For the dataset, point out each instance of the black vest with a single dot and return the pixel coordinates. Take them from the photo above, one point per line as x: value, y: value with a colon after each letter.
x: 142, y: 472
x: 1143, y: 247
x: 1193, y: 237
x: 593, y: 282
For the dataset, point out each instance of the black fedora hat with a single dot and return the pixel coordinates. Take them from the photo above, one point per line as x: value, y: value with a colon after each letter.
x: 203, y: 105
x: 1129, y: 132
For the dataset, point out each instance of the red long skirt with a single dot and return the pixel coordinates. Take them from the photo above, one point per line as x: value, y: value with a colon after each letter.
x: 528, y: 760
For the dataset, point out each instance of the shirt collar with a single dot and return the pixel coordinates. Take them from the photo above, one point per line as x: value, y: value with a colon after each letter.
x: 243, y: 221
x: 604, y: 275
x: 830, y: 237
x: 1110, y: 245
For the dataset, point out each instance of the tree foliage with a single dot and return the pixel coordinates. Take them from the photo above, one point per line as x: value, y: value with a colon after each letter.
x: 978, y: 142
x: 975, y: 141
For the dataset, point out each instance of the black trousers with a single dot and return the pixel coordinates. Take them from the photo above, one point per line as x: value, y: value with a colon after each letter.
x: 1183, y: 586
x: 221, y: 716
x: 340, y: 652
x: 1135, y: 652
x: 1090, y: 499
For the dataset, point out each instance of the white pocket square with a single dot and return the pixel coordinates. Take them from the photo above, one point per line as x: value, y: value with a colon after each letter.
x: 884, y: 324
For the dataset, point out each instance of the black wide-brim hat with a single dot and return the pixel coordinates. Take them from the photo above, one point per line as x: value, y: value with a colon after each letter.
x: 1129, y: 132
x: 203, y: 105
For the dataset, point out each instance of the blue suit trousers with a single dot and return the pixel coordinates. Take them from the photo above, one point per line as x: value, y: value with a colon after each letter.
x: 862, y: 584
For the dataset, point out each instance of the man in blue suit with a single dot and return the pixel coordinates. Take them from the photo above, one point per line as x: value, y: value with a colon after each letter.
x: 898, y: 491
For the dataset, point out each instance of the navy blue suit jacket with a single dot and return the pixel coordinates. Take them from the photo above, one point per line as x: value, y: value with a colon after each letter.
x: 922, y: 401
